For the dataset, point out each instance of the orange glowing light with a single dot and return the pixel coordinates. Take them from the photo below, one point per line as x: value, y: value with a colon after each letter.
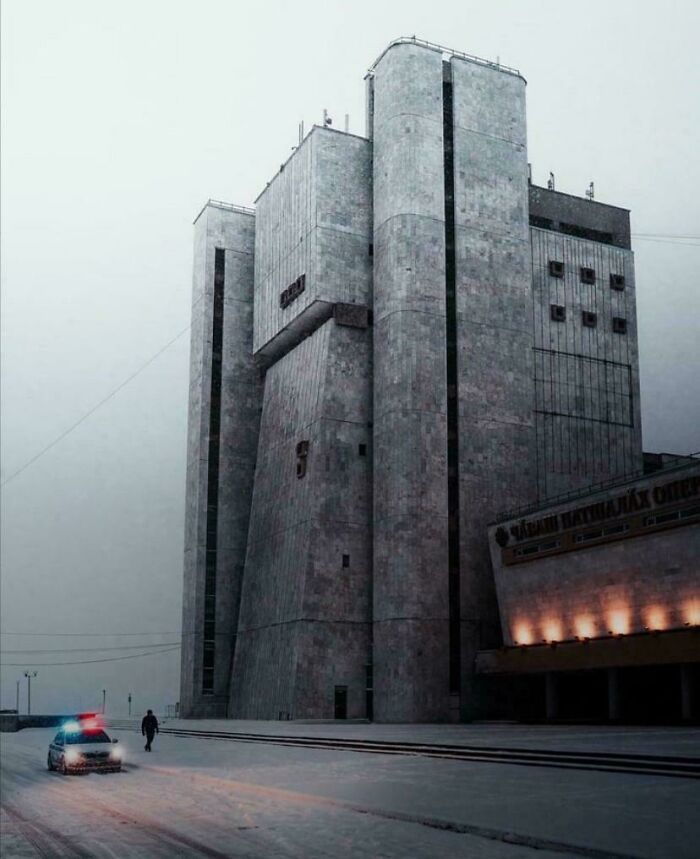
x: 655, y: 617
x: 619, y: 621
x: 552, y: 630
x: 585, y: 627
x: 523, y: 634
x: 691, y: 612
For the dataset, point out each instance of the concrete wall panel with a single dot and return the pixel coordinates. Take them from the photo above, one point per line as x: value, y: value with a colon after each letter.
x: 410, y: 481
x: 234, y: 232
x: 314, y: 219
x: 303, y: 613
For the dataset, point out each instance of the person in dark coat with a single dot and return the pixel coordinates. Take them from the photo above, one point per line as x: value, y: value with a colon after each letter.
x: 149, y: 728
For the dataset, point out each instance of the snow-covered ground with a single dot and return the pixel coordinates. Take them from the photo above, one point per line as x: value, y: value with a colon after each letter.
x: 201, y: 797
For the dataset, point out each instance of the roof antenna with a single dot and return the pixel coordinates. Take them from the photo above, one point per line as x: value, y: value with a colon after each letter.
x: 590, y: 193
x: 550, y: 181
x: 326, y: 119
x: 301, y: 131
x: 347, y: 123
x: 529, y: 173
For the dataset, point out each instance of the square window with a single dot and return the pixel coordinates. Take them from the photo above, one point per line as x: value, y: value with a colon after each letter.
x: 589, y: 319
x: 617, y: 281
x: 346, y: 560
x: 556, y: 268
x: 587, y: 275
x: 557, y: 313
x: 362, y: 449
x: 619, y: 325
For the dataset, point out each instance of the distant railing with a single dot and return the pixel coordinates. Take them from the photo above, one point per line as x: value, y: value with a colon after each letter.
x: 220, y: 204
x: 554, y: 500
x: 412, y: 40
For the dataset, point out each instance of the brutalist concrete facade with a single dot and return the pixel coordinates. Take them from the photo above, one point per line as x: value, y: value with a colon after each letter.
x: 600, y: 603
x: 586, y: 364
x: 224, y: 415
x: 617, y: 561
x: 390, y: 397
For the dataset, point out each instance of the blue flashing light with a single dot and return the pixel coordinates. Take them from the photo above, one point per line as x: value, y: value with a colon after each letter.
x: 71, y: 727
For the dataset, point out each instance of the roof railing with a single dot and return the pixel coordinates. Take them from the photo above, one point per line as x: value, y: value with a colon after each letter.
x: 621, y: 480
x: 230, y: 207
x: 433, y: 46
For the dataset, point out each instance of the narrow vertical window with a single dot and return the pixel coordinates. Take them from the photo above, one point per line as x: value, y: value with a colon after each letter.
x: 209, y: 643
x: 452, y: 382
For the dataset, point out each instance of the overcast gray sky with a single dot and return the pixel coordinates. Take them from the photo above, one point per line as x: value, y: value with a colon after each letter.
x: 119, y: 120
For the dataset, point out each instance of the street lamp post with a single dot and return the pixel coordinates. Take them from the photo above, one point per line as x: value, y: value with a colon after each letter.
x: 17, y: 704
x: 29, y: 675
x: 104, y: 700
x: 129, y: 703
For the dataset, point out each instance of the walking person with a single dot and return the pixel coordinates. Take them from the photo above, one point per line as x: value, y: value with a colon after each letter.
x: 149, y: 728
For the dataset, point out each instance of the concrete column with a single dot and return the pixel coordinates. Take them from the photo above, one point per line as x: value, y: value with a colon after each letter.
x: 493, y: 295
x: 228, y: 439
x: 411, y: 656
x: 686, y: 693
x: 614, y: 708
x: 551, y: 696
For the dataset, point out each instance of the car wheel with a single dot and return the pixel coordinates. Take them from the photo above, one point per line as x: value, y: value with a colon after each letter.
x: 49, y: 764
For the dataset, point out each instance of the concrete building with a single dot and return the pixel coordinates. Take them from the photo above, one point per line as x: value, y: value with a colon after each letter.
x: 404, y: 338
x: 600, y: 602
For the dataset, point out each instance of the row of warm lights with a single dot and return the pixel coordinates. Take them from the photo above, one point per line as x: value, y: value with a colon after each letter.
x: 617, y: 622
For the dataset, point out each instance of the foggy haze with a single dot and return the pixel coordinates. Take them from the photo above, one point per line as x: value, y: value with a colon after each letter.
x: 119, y: 120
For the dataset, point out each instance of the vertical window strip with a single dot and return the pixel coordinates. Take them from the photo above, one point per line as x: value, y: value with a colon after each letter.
x: 209, y: 644
x: 452, y: 385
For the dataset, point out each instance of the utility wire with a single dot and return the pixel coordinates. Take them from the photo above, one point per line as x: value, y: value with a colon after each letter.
x: 95, y: 648
x: 87, y: 661
x: 662, y: 240
x: 97, y: 406
x: 663, y: 236
x: 96, y: 634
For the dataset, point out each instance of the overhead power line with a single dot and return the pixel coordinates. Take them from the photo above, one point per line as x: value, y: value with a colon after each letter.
x: 93, y: 648
x: 97, y: 406
x: 87, y: 661
x: 669, y: 239
x: 663, y: 236
x: 96, y: 634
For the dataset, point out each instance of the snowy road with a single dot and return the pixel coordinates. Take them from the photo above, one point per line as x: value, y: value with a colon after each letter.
x: 205, y: 798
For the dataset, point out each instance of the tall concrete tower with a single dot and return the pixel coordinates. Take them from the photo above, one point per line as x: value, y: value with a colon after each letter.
x: 412, y: 352
x: 303, y: 636
x: 224, y: 415
x: 453, y: 378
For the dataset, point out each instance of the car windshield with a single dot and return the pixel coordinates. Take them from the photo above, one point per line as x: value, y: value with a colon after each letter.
x: 87, y: 737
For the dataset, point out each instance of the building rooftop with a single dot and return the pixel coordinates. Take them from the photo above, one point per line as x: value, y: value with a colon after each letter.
x: 441, y: 49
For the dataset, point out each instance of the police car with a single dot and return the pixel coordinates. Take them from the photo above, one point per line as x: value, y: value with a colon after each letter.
x: 84, y: 746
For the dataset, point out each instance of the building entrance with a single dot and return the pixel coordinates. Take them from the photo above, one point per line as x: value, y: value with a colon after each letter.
x: 341, y: 702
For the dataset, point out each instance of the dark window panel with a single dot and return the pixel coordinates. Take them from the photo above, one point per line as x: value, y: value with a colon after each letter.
x: 557, y: 313
x: 617, y: 281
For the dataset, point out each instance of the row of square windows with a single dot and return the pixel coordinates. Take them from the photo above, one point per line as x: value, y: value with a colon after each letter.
x: 587, y: 275
x: 557, y: 313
